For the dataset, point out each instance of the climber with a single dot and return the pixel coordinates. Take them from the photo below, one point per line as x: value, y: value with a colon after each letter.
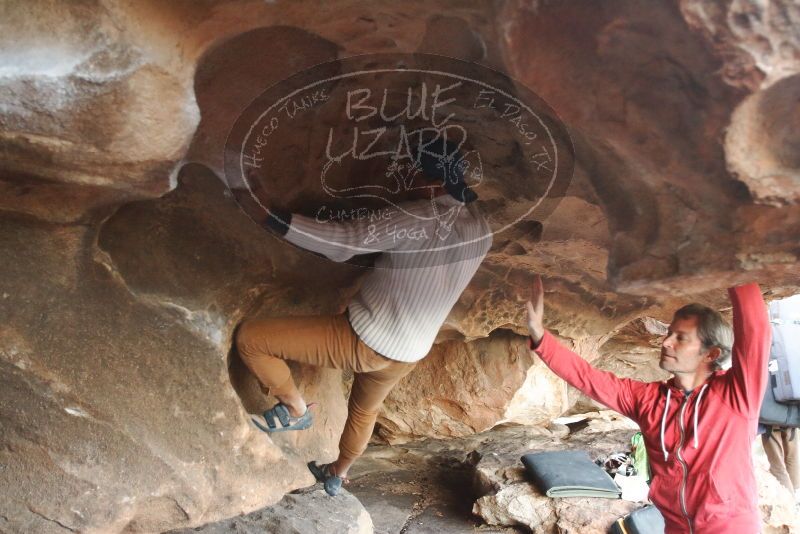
x: 430, y: 249
x: 699, y: 426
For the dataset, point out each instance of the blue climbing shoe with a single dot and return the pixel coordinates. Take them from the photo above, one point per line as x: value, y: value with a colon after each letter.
x: 332, y: 483
x: 281, y: 413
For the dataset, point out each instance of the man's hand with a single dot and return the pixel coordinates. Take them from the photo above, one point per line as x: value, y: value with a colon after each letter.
x: 536, y: 311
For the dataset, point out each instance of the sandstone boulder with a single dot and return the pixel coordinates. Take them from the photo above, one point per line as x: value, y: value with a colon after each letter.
x: 301, y: 512
x: 121, y: 396
x: 463, y: 388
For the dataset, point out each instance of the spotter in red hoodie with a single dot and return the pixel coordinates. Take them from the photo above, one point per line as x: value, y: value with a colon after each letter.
x: 699, y: 444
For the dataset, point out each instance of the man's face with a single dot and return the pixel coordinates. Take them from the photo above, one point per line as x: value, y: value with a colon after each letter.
x: 682, y: 351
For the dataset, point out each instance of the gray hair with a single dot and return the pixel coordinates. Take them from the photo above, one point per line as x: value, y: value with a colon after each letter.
x: 712, y: 329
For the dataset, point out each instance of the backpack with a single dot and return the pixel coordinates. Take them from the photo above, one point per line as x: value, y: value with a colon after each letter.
x: 781, y: 404
x: 784, y: 365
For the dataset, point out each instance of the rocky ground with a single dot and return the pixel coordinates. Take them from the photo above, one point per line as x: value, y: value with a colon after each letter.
x: 472, y: 484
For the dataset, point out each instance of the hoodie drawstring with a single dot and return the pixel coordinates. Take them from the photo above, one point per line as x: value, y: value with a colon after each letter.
x: 696, y: 410
x: 663, y: 425
x: 664, y: 419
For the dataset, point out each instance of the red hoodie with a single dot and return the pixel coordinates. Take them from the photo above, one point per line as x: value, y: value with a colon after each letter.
x: 699, y: 445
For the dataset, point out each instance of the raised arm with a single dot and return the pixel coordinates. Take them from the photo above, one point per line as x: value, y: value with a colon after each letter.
x: 751, y: 345
x: 606, y: 388
x: 339, y: 240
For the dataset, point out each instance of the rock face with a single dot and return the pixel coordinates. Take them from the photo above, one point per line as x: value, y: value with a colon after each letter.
x: 762, y: 49
x: 126, y: 268
x: 88, y: 88
x: 118, y: 394
x: 624, y: 129
x: 759, y: 43
x: 468, y: 388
